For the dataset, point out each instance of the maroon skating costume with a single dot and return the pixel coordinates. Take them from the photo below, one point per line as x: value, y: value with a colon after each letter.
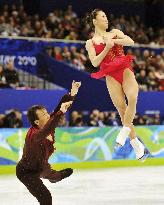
x: 37, y: 150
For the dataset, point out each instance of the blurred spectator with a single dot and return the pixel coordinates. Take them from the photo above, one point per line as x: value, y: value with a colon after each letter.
x: 13, y: 119
x: 57, y: 54
x: 157, y: 120
x: 83, y: 56
x: 2, y: 78
x: 63, y: 122
x: 101, y: 119
x: 149, y: 69
x: 67, y: 25
x: 77, y: 62
x: 79, y: 122
x: 152, y: 81
x: 159, y: 74
x: 94, y: 118
x: 112, y: 120
x: 76, y: 119
x: 74, y: 52
x: 66, y: 54
x: 2, y: 116
x: 11, y: 75
x: 49, y: 50
x: 73, y: 117
x: 72, y: 36
x: 142, y: 80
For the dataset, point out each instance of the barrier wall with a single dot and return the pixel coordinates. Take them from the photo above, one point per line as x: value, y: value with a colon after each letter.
x: 23, y: 99
x: 85, y: 144
x: 86, y: 100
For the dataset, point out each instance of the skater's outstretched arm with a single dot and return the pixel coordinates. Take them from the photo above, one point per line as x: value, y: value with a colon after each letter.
x: 61, y: 109
x: 69, y: 97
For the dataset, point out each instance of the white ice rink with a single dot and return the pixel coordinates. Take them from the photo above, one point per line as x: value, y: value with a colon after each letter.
x: 119, y: 186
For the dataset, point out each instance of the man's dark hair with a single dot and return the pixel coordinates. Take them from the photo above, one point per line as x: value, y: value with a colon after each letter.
x: 31, y: 114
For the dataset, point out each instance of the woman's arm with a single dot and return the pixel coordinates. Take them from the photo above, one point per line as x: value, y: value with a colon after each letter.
x: 96, y: 60
x: 122, y: 39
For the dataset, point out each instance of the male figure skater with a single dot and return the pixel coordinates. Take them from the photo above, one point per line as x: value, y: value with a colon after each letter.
x: 39, y: 147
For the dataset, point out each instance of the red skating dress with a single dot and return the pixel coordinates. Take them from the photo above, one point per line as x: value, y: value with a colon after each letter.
x: 114, y: 63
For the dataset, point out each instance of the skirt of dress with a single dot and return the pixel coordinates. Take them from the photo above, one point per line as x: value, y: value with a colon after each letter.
x: 119, y: 63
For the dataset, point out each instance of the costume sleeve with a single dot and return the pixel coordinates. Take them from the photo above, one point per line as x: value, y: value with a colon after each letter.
x: 65, y: 98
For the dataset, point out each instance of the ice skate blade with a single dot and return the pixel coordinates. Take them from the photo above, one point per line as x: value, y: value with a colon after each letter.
x: 143, y: 158
x: 117, y: 146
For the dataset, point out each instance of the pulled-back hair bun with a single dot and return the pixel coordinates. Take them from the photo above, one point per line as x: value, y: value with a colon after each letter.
x: 91, y: 16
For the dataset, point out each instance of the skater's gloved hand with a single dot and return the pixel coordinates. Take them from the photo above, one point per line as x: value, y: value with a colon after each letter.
x: 65, y: 106
x: 75, y: 88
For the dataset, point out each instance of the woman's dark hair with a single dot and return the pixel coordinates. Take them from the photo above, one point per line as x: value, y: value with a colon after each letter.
x: 91, y: 16
x: 31, y: 114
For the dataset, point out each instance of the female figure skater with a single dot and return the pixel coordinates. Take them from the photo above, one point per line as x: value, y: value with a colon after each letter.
x: 105, y: 50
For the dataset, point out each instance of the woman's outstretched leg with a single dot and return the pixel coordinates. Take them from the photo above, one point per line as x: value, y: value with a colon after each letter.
x: 130, y: 88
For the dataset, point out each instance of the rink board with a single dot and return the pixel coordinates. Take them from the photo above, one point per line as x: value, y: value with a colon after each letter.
x: 86, y: 147
x: 94, y: 165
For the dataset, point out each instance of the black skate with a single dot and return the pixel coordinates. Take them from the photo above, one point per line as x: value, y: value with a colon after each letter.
x: 64, y: 174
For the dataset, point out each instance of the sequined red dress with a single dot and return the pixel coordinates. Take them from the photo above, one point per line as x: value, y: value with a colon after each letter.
x: 114, y: 63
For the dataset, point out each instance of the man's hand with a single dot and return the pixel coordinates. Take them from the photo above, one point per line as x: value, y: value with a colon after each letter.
x: 75, y: 87
x: 65, y: 106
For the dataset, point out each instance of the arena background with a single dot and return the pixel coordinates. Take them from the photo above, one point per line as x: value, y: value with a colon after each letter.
x: 44, y: 43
